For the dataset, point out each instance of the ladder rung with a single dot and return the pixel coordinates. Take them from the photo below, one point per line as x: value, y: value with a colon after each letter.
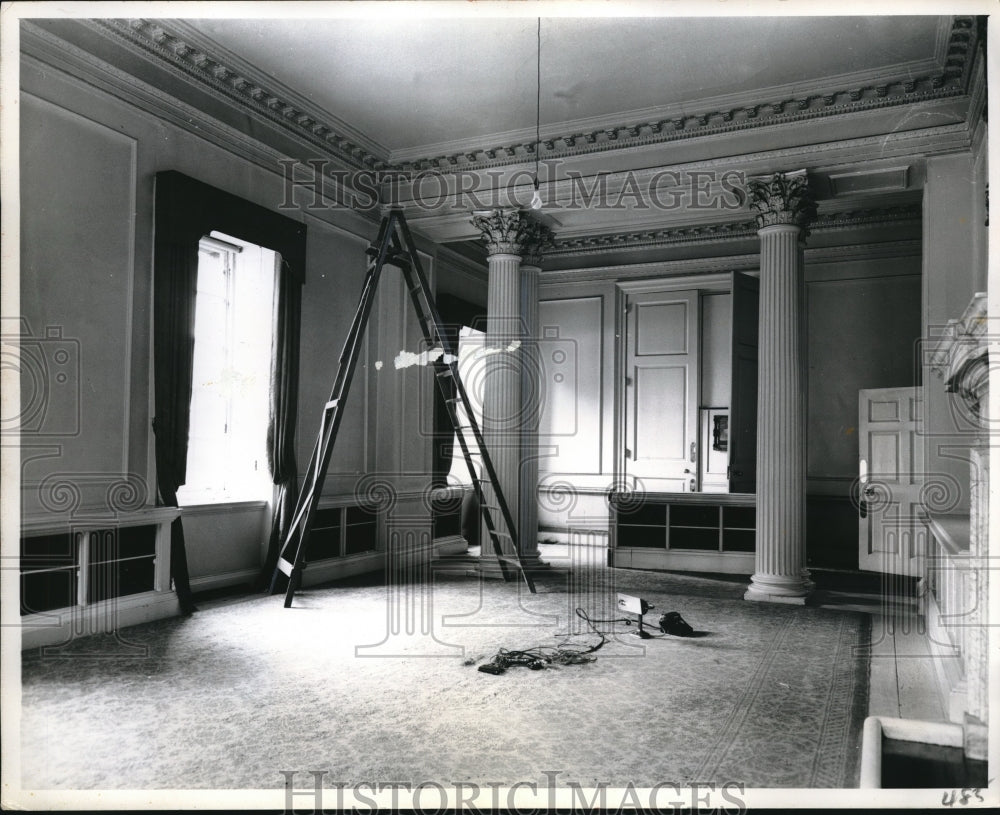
x: 395, y: 246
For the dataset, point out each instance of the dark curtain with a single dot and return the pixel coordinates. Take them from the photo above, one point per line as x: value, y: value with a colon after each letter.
x: 185, y: 211
x: 174, y: 280
x: 282, y: 415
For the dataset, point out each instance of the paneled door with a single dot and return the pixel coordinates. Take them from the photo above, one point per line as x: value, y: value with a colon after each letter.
x: 892, y: 538
x: 661, y: 390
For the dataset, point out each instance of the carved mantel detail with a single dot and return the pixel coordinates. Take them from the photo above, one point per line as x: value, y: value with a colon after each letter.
x: 783, y: 198
x: 961, y: 357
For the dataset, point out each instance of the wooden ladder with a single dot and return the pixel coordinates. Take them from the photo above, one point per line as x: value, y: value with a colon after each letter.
x: 394, y: 245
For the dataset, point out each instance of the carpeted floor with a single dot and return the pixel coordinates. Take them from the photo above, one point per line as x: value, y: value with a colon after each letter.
x: 768, y: 695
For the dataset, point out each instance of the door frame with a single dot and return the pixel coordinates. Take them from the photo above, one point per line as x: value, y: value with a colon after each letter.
x: 716, y: 282
x: 918, y: 535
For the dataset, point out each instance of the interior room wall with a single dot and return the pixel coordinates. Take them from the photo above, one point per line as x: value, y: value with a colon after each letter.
x: 863, y: 317
x: 716, y: 349
x: 88, y: 166
x: 576, y: 430
x: 863, y: 323
x: 952, y: 270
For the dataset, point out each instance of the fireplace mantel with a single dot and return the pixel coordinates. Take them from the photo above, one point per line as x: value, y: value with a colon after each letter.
x: 960, y: 357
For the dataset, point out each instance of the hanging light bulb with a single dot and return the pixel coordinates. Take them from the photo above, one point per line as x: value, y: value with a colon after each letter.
x: 536, y: 197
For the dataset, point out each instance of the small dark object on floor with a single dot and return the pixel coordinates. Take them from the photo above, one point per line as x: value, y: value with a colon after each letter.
x: 490, y: 668
x: 674, y: 623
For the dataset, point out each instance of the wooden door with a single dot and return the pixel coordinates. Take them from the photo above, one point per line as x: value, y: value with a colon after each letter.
x: 743, y: 396
x: 892, y: 538
x: 661, y: 391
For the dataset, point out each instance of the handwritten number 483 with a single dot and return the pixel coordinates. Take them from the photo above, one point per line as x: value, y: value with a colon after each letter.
x: 949, y: 798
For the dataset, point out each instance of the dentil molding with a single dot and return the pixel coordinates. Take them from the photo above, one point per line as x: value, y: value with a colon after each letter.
x: 156, y: 38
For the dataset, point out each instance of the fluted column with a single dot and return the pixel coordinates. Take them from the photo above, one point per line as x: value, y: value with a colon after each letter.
x: 501, y: 364
x: 784, y: 210
x: 537, y: 237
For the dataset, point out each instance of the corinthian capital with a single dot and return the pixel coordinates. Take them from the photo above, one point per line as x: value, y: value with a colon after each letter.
x: 537, y: 238
x: 502, y: 230
x: 783, y: 198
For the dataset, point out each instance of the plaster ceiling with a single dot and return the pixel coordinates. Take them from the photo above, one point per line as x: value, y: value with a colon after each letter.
x: 473, y: 80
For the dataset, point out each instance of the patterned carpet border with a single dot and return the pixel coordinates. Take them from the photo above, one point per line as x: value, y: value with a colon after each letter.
x: 771, y: 696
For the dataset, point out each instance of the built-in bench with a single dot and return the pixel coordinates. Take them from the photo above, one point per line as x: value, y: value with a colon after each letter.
x: 83, y: 575
x: 703, y: 532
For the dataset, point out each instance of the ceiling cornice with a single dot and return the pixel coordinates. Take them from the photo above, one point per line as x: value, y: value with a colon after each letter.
x: 721, y: 232
x: 154, y: 39
x: 952, y: 79
x: 161, y: 40
x: 696, y: 268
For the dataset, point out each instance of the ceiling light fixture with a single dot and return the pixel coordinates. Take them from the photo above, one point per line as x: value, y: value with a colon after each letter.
x: 536, y: 198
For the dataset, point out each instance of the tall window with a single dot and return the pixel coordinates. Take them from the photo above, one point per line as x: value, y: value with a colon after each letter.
x: 227, y: 454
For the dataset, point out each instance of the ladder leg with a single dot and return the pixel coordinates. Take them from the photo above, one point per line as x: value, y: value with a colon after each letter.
x: 298, y: 532
x: 430, y: 323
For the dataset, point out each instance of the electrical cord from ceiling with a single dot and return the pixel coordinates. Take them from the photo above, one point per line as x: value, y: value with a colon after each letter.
x: 536, y: 198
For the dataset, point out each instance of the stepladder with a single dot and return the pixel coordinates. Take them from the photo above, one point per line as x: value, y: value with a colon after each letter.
x: 394, y: 246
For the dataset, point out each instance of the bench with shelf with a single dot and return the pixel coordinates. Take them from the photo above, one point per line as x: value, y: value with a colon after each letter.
x: 684, y: 531
x: 89, y: 575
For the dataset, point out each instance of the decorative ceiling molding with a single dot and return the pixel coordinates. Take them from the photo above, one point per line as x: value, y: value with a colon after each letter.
x: 951, y: 80
x: 44, y: 51
x: 732, y: 231
x: 154, y: 38
x: 696, y: 268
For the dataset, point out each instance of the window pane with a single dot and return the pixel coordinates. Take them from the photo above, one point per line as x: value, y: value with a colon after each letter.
x: 231, y: 376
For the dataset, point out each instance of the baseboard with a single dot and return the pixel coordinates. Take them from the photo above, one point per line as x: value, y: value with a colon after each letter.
x: 55, y: 628
x: 575, y: 537
x: 323, y: 571
x: 224, y: 579
x: 741, y: 563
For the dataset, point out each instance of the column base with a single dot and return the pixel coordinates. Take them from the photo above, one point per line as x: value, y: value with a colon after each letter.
x: 779, y: 589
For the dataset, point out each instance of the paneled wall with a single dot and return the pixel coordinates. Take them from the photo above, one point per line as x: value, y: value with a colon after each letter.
x: 863, y: 318
x: 954, y: 265
x: 576, y: 431
x: 87, y: 175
